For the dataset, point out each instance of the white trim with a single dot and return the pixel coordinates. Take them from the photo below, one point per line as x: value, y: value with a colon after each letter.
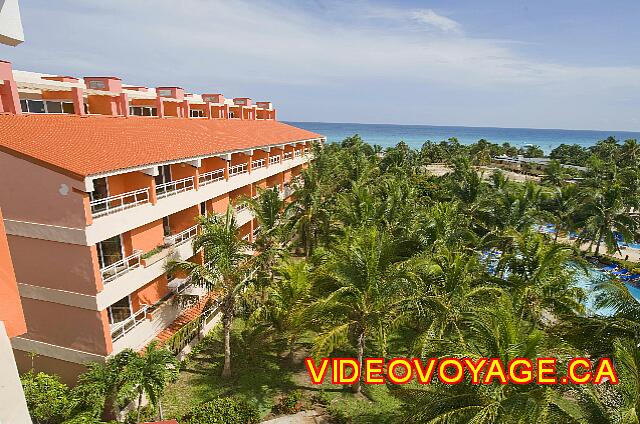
x: 63, y: 297
x: 55, y: 351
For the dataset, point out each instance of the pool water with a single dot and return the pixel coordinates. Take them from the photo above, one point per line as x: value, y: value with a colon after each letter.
x: 587, y: 282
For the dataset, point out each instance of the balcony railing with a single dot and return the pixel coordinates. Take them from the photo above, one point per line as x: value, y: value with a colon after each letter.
x: 119, y: 202
x: 240, y: 207
x: 298, y: 153
x: 117, y: 269
x: 246, y: 238
x: 174, y: 187
x: 238, y: 169
x: 257, y: 164
x: 211, y: 177
x: 274, y: 160
x: 118, y: 330
x: 288, y: 155
x: 183, y: 236
x: 306, y: 150
x: 256, y: 231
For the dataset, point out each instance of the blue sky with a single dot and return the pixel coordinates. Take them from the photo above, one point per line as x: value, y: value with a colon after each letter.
x: 516, y: 63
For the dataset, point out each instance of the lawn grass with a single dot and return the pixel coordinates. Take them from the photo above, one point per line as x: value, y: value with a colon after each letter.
x: 261, y: 376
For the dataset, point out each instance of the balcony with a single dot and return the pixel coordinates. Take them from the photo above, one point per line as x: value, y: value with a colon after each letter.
x: 273, y: 160
x: 298, y: 153
x: 182, y: 237
x: 238, y: 169
x: 120, y: 329
x: 256, y: 231
x: 174, y: 187
x: 288, y: 155
x: 120, y: 268
x: 119, y: 202
x: 211, y: 177
x: 258, y: 164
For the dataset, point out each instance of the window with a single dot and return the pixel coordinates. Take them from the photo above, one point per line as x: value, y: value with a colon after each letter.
x: 196, y: 113
x: 166, y: 227
x: 23, y: 105
x: 97, y: 85
x: 231, y: 115
x: 109, y: 251
x: 165, y: 93
x: 100, y: 191
x: 120, y: 311
x: 35, y: 106
x: 203, y: 208
x: 164, y: 176
x: 54, y: 107
x: 143, y: 111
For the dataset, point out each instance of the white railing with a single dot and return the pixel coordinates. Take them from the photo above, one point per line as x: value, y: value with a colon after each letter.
x: 211, y: 177
x: 274, y: 160
x: 306, y: 150
x: 121, y: 328
x: 174, y: 187
x: 240, y: 207
x: 257, y: 164
x: 298, y: 153
x: 246, y: 238
x: 256, y: 231
x: 116, y: 269
x: 183, y: 236
x: 288, y: 155
x: 238, y: 169
x: 119, y: 202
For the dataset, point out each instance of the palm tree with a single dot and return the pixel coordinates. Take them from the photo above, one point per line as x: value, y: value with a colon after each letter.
x: 226, y: 268
x: 554, y: 173
x: 605, y: 212
x: 150, y: 373
x: 106, y: 384
x: 563, y: 207
x: 359, y: 290
x: 495, y: 332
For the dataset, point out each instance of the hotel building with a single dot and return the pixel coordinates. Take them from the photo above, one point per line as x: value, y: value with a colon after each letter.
x: 101, y: 185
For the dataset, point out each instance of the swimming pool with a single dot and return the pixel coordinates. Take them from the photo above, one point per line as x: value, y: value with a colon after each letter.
x: 592, y: 277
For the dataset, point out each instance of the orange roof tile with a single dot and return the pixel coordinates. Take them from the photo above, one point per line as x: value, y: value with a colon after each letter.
x: 82, y: 146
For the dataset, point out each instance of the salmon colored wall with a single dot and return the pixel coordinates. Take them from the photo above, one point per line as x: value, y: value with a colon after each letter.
x: 131, y: 181
x: 184, y: 219
x: 260, y: 154
x: 296, y: 170
x: 276, y: 152
x: 39, y: 186
x: 144, y: 238
x: 220, y: 204
x: 287, y: 175
x: 10, y: 306
x: 245, y: 229
x: 103, y: 105
x: 182, y: 170
x: 150, y: 294
x: 67, y: 371
x: 57, y: 95
x: 262, y: 184
x: 274, y: 180
x: 72, y: 267
x: 236, y: 111
x: 144, y: 102
x: 238, y: 158
x: 171, y: 109
x: 66, y: 326
x: 212, y: 164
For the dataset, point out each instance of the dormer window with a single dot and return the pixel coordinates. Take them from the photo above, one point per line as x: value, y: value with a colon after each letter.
x: 97, y: 85
x: 165, y: 93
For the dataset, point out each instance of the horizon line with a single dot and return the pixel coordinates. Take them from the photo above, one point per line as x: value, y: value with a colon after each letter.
x: 465, y: 126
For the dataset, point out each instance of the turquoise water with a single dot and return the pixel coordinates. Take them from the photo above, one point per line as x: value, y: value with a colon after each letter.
x: 587, y: 282
x: 387, y: 135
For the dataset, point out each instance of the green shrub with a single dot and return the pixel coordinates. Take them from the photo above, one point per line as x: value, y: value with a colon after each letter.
x: 222, y: 411
x: 289, y: 404
x: 48, y: 399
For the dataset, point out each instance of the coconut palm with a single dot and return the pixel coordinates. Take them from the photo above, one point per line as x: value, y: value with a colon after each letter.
x: 604, y: 213
x: 359, y: 289
x: 150, y: 372
x: 227, y: 266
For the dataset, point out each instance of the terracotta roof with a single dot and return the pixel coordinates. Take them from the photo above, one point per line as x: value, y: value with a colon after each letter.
x: 82, y: 146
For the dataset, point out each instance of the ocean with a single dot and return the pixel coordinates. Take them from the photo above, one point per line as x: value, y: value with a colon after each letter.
x: 387, y: 135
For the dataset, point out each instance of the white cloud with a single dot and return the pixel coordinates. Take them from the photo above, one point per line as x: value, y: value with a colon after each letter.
x: 432, y: 19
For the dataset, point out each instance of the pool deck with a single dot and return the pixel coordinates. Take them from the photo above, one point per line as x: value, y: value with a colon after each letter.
x: 634, y: 254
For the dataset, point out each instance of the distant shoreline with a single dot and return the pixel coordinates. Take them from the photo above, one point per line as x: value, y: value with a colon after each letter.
x: 387, y: 135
